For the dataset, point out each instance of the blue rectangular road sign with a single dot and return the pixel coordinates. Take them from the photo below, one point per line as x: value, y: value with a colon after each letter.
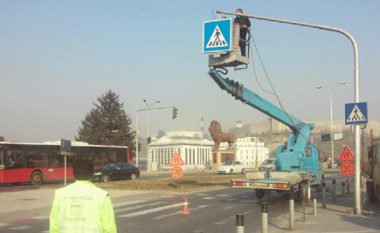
x: 356, y: 113
x: 217, y: 36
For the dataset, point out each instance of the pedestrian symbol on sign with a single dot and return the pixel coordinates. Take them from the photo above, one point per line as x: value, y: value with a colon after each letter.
x: 217, y: 39
x: 356, y: 115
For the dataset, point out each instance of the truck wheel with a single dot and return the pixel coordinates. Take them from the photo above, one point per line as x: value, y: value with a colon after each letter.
x: 36, y: 178
x: 260, y: 193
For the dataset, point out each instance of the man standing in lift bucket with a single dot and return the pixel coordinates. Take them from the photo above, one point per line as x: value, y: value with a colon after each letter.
x: 82, y: 207
x: 244, y: 23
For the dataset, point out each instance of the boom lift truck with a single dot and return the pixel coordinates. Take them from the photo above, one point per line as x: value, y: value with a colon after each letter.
x: 298, y: 163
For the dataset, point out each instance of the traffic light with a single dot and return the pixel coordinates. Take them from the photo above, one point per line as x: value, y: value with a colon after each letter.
x: 175, y: 110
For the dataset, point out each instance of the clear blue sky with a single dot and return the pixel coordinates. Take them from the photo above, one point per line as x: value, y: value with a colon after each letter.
x: 57, y: 57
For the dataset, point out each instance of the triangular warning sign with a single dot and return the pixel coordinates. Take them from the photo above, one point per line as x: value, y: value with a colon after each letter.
x: 356, y: 115
x: 217, y: 39
x: 176, y: 160
x: 346, y: 155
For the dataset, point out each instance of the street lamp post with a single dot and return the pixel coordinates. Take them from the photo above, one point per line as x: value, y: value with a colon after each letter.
x: 330, y: 91
x: 137, y: 128
x: 148, y: 106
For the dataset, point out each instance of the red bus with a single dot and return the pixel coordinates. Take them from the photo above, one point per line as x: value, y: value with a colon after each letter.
x: 37, y: 163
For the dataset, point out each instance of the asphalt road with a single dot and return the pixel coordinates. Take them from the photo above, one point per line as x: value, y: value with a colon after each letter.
x: 155, y: 212
x: 212, y: 210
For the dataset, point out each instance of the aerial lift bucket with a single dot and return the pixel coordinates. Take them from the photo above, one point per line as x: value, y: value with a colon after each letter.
x: 232, y: 58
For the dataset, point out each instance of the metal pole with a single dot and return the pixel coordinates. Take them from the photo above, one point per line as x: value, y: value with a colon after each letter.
x: 357, y: 209
x: 137, y: 132
x: 315, y: 205
x: 239, y: 223
x: 324, y: 195
x: 334, y: 190
x: 343, y: 187
x: 137, y: 141
x: 291, y: 211
x: 65, y: 172
x: 304, y: 202
x: 264, y: 218
x: 331, y: 130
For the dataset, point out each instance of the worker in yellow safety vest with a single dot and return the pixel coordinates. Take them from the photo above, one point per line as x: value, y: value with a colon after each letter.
x: 82, y: 207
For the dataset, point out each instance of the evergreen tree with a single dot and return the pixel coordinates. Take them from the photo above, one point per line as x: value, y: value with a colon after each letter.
x: 107, y: 123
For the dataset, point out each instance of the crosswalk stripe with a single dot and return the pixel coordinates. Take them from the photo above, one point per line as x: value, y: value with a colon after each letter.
x: 179, y: 212
x: 3, y: 224
x: 153, y: 210
x: 138, y: 206
x: 20, y: 228
x: 119, y: 204
x: 223, y: 195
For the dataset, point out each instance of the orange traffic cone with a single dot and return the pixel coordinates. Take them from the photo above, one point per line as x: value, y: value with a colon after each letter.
x: 185, y: 208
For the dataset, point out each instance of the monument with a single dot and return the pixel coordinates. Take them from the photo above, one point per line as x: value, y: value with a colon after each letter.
x: 220, y: 155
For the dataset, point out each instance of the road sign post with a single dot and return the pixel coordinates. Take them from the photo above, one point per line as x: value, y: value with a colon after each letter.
x: 176, y: 162
x: 65, y: 150
x: 347, y: 158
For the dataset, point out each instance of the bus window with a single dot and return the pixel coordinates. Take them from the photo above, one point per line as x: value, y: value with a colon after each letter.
x: 15, y: 159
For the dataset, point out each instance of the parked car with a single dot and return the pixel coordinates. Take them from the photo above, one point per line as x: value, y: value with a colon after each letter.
x: 268, y: 164
x: 116, y: 171
x: 230, y: 167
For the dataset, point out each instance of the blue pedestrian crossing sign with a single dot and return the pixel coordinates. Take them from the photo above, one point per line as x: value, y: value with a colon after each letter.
x: 217, y: 36
x: 356, y: 113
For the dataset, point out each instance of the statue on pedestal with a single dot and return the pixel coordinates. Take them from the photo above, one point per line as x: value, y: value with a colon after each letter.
x: 218, y: 136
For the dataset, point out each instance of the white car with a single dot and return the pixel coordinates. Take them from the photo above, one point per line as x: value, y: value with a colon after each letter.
x: 230, y: 167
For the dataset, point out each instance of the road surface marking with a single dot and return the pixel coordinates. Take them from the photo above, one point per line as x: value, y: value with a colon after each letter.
x: 138, y: 206
x: 143, y: 212
x: 3, y: 224
x: 223, y: 195
x: 20, y: 228
x: 179, y: 212
x: 119, y: 204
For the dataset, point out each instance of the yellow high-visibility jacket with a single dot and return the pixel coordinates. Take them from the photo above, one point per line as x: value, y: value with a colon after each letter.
x: 82, y: 207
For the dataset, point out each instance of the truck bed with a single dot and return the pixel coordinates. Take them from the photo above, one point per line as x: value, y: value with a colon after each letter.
x: 275, y: 181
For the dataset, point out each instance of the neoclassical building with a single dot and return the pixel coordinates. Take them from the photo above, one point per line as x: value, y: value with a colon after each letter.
x: 250, y: 151
x: 194, y: 150
x: 197, y: 152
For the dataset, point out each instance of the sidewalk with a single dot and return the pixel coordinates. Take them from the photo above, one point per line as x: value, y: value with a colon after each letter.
x: 336, y: 217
